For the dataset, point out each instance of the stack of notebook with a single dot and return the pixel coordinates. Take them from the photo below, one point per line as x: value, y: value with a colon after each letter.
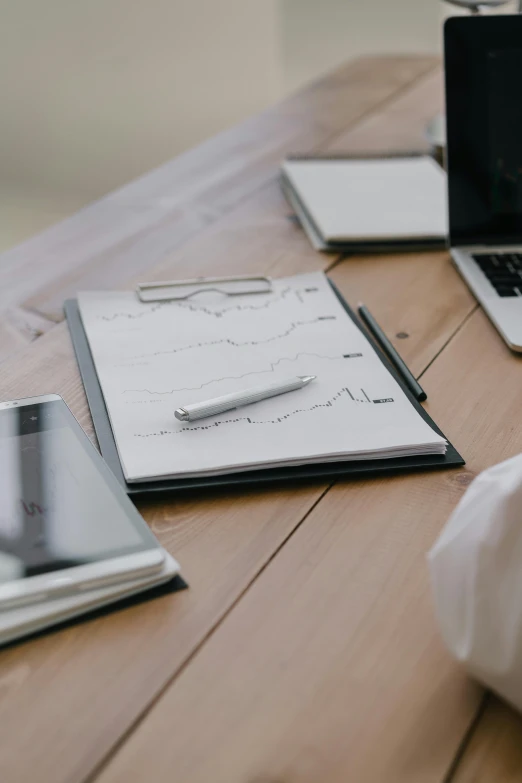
x: 368, y: 204
x: 27, y: 620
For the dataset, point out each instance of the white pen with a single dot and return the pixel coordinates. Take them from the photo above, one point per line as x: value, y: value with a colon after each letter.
x: 201, y: 410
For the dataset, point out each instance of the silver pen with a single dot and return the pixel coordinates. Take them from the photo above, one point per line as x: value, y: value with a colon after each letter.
x: 228, y: 402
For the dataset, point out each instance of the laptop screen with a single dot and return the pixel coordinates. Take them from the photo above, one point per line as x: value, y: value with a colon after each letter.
x: 483, y: 60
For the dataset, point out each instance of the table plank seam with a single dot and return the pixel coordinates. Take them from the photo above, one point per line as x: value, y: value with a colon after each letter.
x: 334, y: 263
x: 24, y: 308
x: 124, y: 685
x: 466, y: 739
x: 132, y: 727
x: 21, y: 327
x: 450, y: 339
x: 382, y: 104
x: 378, y: 108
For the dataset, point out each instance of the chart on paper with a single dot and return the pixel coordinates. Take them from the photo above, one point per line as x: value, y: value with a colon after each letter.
x: 156, y: 357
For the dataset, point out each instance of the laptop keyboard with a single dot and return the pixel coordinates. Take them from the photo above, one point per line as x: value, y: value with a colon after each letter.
x: 503, y: 270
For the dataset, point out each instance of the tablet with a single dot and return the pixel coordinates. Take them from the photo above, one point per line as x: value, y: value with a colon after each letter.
x: 66, y: 526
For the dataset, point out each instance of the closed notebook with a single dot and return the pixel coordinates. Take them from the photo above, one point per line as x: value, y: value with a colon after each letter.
x: 26, y: 620
x: 372, y: 200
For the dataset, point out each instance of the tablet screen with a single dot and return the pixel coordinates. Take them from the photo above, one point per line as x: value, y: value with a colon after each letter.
x: 60, y: 506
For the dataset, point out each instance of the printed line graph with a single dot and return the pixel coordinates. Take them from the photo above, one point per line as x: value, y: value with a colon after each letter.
x: 273, y: 366
x: 219, y: 312
x: 188, y: 351
x: 234, y: 343
x: 344, y: 392
x: 133, y: 316
x: 299, y: 293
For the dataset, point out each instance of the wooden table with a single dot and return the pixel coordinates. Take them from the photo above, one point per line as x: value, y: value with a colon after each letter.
x: 305, y: 649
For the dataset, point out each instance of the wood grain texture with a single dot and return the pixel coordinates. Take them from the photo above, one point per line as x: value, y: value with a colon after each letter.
x: 494, y: 752
x: 428, y: 300
x: 351, y: 550
x: 330, y: 668
x: 66, y: 698
x: 402, y: 122
x: 489, y: 420
x: 262, y: 218
x: 257, y: 236
x: 19, y: 327
x: 138, y: 226
x: 222, y: 542
x: 222, y: 539
x: 124, y: 233
x: 351, y: 659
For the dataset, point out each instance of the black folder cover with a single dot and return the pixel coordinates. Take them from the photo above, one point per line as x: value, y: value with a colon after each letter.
x: 320, y: 472
x: 173, y: 586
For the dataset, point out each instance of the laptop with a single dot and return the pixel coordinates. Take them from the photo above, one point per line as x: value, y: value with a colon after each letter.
x: 483, y: 65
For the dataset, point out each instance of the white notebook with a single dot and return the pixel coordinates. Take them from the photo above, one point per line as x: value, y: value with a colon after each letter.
x: 26, y: 620
x: 154, y: 358
x: 378, y: 200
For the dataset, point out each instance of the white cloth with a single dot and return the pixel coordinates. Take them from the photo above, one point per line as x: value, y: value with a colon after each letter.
x: 476, y: 575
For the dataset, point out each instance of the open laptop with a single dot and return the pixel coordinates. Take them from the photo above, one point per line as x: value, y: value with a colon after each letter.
x: 483, y: 62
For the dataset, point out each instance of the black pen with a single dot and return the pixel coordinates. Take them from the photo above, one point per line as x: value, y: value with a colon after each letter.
x: 388, y: 349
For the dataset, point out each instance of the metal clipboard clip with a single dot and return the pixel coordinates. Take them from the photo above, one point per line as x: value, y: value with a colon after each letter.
x: 183, y: 289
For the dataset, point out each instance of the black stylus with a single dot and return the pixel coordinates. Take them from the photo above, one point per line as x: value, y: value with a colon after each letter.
x: 387, y: 348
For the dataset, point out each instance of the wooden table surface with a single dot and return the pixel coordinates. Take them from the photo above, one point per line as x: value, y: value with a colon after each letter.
x: 305, y: 649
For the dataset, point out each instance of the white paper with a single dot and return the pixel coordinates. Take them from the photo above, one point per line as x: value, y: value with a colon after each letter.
x: 154, y: 358
x: 386, y: 199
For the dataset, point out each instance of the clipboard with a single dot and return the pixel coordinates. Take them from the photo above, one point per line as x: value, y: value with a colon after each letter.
x: 328, y: 471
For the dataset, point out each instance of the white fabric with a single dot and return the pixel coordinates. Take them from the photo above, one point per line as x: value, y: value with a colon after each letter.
x: 476, y: 574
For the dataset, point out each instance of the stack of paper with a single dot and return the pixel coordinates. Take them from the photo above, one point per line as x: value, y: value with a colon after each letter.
x: 154, y: 358
x: 27, y: 620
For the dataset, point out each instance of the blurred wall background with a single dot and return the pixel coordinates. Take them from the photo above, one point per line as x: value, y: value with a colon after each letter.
x: 95, y: 93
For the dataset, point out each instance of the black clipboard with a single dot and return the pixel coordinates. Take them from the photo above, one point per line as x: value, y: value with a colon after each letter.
x: 327, y: 471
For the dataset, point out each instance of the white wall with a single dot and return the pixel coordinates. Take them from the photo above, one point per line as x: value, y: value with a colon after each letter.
x: 95, y: 92
x: 317, y: 36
